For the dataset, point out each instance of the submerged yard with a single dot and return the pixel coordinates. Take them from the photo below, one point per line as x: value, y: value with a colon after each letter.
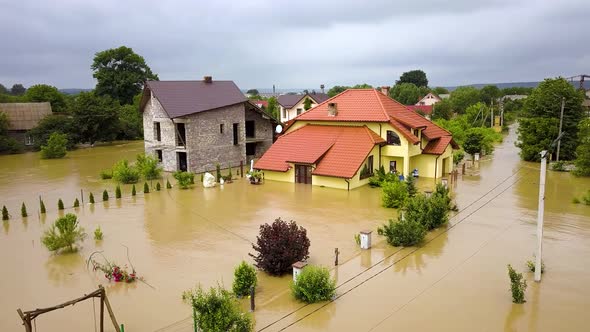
x: 456, y: 281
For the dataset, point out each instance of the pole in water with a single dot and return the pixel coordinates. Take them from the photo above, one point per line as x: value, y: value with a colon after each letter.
x: 252, y: 301
x: 122, y: 328
x: 82, y: 195
x: 538, y: 258
x: 336, y: 252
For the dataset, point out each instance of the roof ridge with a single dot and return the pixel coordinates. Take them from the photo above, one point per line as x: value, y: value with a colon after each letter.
x: 381, y: 103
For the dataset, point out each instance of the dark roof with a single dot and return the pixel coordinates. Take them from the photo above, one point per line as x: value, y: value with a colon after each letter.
x: 25, y: 116
x: 180, y: 98
x: 288, y: 101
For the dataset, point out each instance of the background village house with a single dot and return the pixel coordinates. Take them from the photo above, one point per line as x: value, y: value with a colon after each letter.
x: 23, y: 117
x: 194, y: 125
x: 291, y: 105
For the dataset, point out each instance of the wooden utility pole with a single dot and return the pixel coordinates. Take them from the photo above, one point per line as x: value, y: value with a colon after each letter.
x: 560, y: 125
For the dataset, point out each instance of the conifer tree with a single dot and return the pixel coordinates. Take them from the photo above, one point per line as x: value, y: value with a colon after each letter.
x: 23, y: 210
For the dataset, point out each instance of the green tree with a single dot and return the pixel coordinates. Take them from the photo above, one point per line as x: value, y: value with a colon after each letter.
x: 244, y: 278
x: 7, y: 144
x: 47, y: 93
x: 536, y: 135
x: 489, y: 93
x: 582, y: 161
x: 61, y: 124
x: 545, y: 103
x: 402, y: 233
x: 253, y: 92
x: 416, y: 77
x: 463, y: 97
x: 121, y: 74
x: 440, y: 91
x: 362, y: 86
x: 3, y: 90
x: 17, y: 90
x: 95, y: 117
x: 442, y: 110
x: 307, y: 104
x: 23, y: 210
x: 473, y: 143
x: 5, y: 215
x: 148, y: 167
x: 394, y: 194
x: 405, y: 93
x: 314, y: 284
x: 130, y: 121
x: 273, y: 107
x: 64, y: 233
x: 56, y: 146
x: 336, y: 90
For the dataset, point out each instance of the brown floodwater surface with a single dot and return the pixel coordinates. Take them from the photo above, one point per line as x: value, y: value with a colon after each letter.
x: 456, y: 281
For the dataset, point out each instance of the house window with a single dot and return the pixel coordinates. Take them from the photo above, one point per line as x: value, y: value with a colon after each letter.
x: 250, y: 129
x: 157, y: 132
x: 159, y: 155
x: 235, y: 134
x: 370, y: 164
x: 29, y: 140
x: 299, y: 111
x: 180, y: 134
x: 284, y: 114
x: 221, y: 128
x: 392, y: 138
x: 250, y: 149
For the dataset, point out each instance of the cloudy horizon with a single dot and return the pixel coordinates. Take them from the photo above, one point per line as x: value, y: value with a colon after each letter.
x: 299, y: 44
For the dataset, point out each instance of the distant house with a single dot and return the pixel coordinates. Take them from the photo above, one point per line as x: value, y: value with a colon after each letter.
x: 260, y: 103
x: 23, y: 117
x: 514, y: 97
x: 444, y: 96
x: 429, y: 100
x: 194, y: 125
x: 342, y: 141
x: 291, y: 106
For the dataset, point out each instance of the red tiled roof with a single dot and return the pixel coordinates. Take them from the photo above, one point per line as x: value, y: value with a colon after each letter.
x: 260, y: 103
x: 437, y: 146
x: 337, y: 151
x: 426, y: 109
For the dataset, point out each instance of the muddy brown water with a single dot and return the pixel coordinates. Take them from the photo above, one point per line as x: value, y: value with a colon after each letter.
x: 457, y: 281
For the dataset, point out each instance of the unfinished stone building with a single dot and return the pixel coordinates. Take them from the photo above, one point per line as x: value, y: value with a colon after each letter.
x: 194, y: 125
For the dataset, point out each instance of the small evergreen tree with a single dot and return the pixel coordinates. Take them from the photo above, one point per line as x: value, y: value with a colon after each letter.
x: 91, y: 198
x: 98, y: 234
x: 105, y: 196
x: 158, y: 186
x: 411, y: 186
x: 168, y: 185
x: 76, y: 203
x: 5, y: 215
x: 23, y: 210
x: 307, y: 104
x: 42, y: 206
x: 60, y: 204
x: 244, y: 278
x: 517, y: 285
x: 118, y: 192
x: 218, y: 172
x: 133, y: 191
x: 146, y: 188
x: 230, y: 176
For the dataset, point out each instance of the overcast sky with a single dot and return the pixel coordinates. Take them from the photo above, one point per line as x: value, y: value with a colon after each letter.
x: 298, y: 44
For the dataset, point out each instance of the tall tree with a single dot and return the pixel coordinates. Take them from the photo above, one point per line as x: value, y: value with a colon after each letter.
x: 43, y: 92
x: 473, y: 143
x: 489, y: 93
x: 95, y: 117
x: 3, y: 90
x: 442, y: 110
x: 17, y: 90
x: 273, y: 108
x: 405, y: 93
x: 363, y: 86
x: 583, y: 151
x: 545, y: 103
x: 416, y: 77
x: 336, y: 90
x: 463, y: 97
x: 307, y: 104
x: 253, y: 92
x: 120, y: 73
x: 439, y: 90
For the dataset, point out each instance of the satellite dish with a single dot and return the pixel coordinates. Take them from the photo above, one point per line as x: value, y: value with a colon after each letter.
x: 279, y: 129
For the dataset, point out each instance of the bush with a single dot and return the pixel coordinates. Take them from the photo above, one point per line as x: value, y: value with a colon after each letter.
x: 217, y: 311
x: 218, y: 172
x: 106, y: 174
x: 531, y: 266
x: 23, y: 210
x: 148, y: 167
x: 158, y: 186
x: 517, y: 285
x: 403, y: 233
x: 146, y: 188
x: 411, y: 185
x: 279, y: 245
x: 576, y: 200
x: 42, y: 206
x: 9, y: 145
x: 133, y: 191
x: 60, y: 204
x: 98, y: 233
x: 124, y: 173
x: 244, y: 278
x: 76, y: 203
x: 430, y: 212
x: 5, y: 215
x: 118, y: 192
x: 56, y: 146
x: 314, y: 284
x: 558, y: 166
x: 185, y: 179
x: 586, y: 198
x: 394, y: 194
x: 91, y: 198
x: 64, y: 233
x: 105, y: 196
x: 168, y: 185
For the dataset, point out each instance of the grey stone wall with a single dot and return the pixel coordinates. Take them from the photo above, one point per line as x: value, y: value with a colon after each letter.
x: 263, y: 129
x: 153, y: 112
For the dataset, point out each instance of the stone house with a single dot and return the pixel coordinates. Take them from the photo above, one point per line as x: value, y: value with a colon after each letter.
x: 23, y: 117
x: 194, y: 125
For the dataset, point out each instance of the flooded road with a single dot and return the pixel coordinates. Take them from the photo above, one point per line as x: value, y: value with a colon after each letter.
x: 457, y: 281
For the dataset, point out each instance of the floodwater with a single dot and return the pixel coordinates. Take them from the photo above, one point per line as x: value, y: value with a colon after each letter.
x: 456, y: 281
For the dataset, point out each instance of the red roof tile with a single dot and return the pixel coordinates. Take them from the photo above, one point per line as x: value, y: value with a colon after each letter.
x: 426, y: 109
x: 438, y: 146
x: 337, y: 151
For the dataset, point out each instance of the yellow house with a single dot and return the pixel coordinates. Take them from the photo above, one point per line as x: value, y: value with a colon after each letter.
x: 340, y: 142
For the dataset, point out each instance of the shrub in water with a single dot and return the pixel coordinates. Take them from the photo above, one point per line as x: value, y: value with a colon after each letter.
x: 76, y: 203
x: 158, y: 186
x: 229, y: 175
x: 314, y: 284
x: 217, y: 310
x: 394, y: 194
x: 443, y: 192
x: 148, y: 167
x: 56, y: 146
x: 133, y: 191
x: 430, y: 212
x: 106, y: 174
x: 60, y: 204
x: 576, y: 200
x: 411, y: 185
x: 517, y: 285
x: 558, y: 166
x: 64, y: 233
x: 5, y: 215
x: 105, y: 196
x: 403, y: 233
x: 23, y: 210
x: 586, y: 198
x: 42, y: 206
x: 218, y: 172
x: 531, y: 266
x: 279, y: 245
x: 98, y: 233
x: 124, y: 173
x: 185, y: 179
x: 146, y: 188
x: 168, y: 185
x: 118, y: 192
x: 91, y: 198
x: 244, y: 278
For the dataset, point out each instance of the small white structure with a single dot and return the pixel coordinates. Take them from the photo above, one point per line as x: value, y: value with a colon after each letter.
x: 297, y: 268
x: 445, y: 182
x: 476, y: 157
x: 208, y: 180
x: 366, y: 239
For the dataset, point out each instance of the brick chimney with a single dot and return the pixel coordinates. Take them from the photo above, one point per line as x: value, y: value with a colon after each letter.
x: 208, y: 79
x: 332, y: 109
x: 385, y: 90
